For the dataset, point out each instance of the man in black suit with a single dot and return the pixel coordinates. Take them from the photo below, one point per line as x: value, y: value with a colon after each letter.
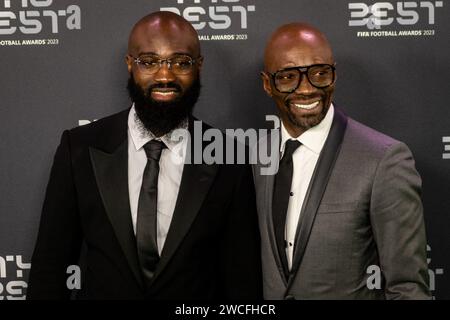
x: 154, y: 225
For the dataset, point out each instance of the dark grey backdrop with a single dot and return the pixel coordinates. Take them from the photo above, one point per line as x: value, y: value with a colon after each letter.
x: 396, y: 84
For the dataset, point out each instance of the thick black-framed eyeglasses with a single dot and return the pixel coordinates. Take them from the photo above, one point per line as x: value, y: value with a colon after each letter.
x: 319, y: 75
x: 179, y: 64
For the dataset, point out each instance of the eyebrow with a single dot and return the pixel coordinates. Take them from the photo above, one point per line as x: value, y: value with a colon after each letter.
x: 155, y: 54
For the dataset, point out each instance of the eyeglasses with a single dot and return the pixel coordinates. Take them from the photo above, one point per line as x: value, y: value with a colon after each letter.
x: 289, y: 79
x: 180, y: 64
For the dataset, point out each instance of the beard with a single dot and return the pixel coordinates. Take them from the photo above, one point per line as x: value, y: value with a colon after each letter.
x: 162, y: 117
x: 308, y: 121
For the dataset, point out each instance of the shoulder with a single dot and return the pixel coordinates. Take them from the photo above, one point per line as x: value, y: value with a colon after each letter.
x: 105, y: 132
x: 115, y: 120
x: 374, y: 151
x: 228, y: 140
x: 362, y: 139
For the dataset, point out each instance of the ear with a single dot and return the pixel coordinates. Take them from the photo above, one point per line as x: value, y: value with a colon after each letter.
x: 199, y: 63
x: 129, y: 61
x: 335, y: 73
x: 266, y: 83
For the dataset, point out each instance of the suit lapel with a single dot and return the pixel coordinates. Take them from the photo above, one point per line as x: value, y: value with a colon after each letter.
x: 269, y: 181
x: 280, y: 259
x: 195, y: 183
x: 317, y: 188
x: 110, y: 164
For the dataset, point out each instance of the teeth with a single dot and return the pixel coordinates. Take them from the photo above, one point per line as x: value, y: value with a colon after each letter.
x: 307, y: 106
x: 164, y: 93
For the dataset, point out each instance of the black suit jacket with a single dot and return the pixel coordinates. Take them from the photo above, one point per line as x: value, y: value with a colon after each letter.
x: 212, y: 250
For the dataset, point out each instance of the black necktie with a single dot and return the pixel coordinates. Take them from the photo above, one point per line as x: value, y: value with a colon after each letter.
x: 281, y: 194
x: 146, y: 233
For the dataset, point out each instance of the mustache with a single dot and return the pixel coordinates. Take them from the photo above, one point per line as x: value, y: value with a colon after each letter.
x: 289, y: 98
x: 169, y: 85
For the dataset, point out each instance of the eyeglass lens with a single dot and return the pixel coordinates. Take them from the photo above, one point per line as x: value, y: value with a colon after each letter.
x: 319, y: 76
x: 178, y: 64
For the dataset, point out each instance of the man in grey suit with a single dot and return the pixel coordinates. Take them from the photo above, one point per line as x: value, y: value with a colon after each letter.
x: 342, y: 217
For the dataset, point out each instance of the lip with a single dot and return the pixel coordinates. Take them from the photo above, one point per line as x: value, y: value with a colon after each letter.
x: 300, y: 101
x: 164, y: 94
x: 305, y: 106
x: 164, y: 89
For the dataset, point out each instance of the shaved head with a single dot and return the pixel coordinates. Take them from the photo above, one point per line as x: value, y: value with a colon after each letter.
x: 163, y: 26
x: 300, y: 35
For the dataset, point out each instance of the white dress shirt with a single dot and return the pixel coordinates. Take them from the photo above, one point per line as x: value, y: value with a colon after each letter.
x: 169, y: 179
x: 304, y: 161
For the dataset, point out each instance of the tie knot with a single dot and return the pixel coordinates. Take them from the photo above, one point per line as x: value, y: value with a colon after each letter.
x: 290, y: 147
x: 153, y: 149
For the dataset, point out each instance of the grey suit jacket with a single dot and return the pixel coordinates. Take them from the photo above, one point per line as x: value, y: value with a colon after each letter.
x: 362, y: 213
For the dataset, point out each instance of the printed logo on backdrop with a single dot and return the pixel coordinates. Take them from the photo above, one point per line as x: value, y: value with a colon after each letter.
x: 226, y: 20
x: 374, y: 280
x: 395, y: 18
x: 36, y: 22
x: 446, y: 142
x: 13, y: 267
x: 433, y: 274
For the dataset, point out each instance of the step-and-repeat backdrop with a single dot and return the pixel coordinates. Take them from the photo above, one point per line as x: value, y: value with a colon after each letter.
x: 62, y: 65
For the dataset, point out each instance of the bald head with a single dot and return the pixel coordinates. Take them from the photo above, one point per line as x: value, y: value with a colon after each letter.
x: 305, y: 41
x: 161, y: 28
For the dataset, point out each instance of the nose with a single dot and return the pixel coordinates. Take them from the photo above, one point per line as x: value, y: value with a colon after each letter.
x: 164, y: 74
x: 304, y: 87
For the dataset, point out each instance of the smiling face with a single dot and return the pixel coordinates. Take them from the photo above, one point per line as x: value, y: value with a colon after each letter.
x: 291, y: 46
x: 163, y: 98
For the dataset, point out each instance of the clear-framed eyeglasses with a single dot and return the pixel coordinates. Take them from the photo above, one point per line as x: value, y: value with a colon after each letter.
x: 179, y: 64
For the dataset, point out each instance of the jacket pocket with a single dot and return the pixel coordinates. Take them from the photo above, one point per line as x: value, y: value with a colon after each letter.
x: 325, y: 208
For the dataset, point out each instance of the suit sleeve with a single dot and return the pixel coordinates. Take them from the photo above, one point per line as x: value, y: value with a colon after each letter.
x: 59, y: 240
x: 241, y: 273
x: 398, y: 225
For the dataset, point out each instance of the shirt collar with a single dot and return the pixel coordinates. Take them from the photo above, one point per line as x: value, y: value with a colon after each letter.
x: 140, y: 136
x: 313, y: 138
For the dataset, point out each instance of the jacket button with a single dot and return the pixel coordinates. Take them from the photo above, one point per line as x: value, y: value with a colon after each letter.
x: 289, y: 297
